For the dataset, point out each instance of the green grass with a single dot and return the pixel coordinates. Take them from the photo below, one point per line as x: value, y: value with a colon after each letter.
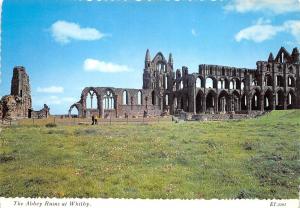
x: 256, y: 158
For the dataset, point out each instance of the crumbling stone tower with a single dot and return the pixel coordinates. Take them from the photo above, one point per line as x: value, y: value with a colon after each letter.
x: 158, y: 76
x: 20, y: 89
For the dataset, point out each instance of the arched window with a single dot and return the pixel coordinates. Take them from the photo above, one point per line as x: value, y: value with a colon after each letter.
x: 166, y: 82
x: 242, y: 85
x: 108, y: 100
x: 209, y: 83
x: 291, y: 82
x: 231, y: 85
x: 181, y: 84
x: 175, y: 103
x: 139, y: 98
x: 167, y: 99
x: 74, y: 112
x: 125, y: 97
x: 198, y: 82
x: 280, y: 81
x: 91, y: 100
x: 220, y: 84
x: 153, y: 98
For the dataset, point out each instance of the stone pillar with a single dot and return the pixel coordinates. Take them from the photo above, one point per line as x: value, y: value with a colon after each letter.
x: 204, y: 103
x: 249, y: 103
x: 285, y: 102
x: 194, y: 99
x: 262, y: 102
x: 116, y: 105
x: 274, y: 102
x: 101, y: 107
x: 216, y: 104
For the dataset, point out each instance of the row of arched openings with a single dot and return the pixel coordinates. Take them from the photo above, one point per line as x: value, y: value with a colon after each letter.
x: 279, y: 81
x: 125, y: 96
x: 220, y: 84
x: 240, y: 103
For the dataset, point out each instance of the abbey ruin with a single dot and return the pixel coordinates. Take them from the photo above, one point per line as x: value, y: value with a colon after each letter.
x: 274, y: 84
x: 19, y: 104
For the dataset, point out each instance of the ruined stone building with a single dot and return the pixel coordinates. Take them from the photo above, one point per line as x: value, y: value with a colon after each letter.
x: 214, y: 89
x: 19, y: 104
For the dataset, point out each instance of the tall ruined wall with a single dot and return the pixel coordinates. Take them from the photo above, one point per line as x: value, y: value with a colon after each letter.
x: 20, y: 88
x: 18, y: 103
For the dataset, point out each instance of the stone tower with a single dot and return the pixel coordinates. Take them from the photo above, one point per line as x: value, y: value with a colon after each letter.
x: 20, y: 89
x: 158, y: 76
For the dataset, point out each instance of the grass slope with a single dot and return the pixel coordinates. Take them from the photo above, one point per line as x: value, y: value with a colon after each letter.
x: 256, y: 158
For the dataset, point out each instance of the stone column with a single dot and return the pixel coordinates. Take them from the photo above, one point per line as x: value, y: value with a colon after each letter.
x: 285, y: 102
x: 101, y: 107
x: 274, y: 102
x: 216, y: 104
x: 249, y: 103
x: 116, y: 105
x: 262, y: 102
x: 204, y: 103
x: 194, y: 99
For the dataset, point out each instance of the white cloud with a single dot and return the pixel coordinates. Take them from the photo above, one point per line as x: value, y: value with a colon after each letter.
x: 293, y: 27
x: 101, y: 66
x: 63, y: 32
x: 194, y: 33
x: 264, y: 30
x: 275, y: 6
x: 258, y: 33
x: 51, y: 89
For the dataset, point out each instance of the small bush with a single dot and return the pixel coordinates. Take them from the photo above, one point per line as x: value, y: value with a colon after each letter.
x: 243, y: 194
x: 248, y: 146
x: 51, y: 125
x: 6, y: 158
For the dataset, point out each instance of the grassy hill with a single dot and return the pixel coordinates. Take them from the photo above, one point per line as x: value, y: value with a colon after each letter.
x: 257, y: 158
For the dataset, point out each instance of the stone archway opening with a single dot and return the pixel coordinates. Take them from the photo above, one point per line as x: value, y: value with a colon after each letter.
x: 199, y: 102
x: 74, y: 111
x: 279, y: 100
x: 223, y: 101
x: 291, y: 99
x: 210, y: 101
x: 268, y: 100
x: 255, y: 101
x: 235, y: 101
x: 91, y: 100
x: 244, y: 103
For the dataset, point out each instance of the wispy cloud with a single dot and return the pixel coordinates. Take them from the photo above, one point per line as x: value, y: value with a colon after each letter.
x: 264, y: 30
x: 101, y: 66
x: 293, y: 27
x: 194, y: 33
x: 51, y: 89
x: 275, y: 6
x: 63, y: 32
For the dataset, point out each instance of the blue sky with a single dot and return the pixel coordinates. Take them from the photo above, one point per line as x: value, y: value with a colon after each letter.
x: 67, y: 45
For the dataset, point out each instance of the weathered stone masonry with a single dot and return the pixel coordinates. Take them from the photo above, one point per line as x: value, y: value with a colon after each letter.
x: 275, y: 84
x: 19, y: 104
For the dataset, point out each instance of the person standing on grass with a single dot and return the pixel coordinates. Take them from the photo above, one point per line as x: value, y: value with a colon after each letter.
x: 96, y: 120
x: 93, y: 119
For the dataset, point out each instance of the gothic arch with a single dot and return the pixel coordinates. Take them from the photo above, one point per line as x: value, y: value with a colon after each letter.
x: 268, y: 99
x: 211, y: 100
x: 291, y: 99
x: 199, y: 101
x: 255, y: 99
x: 223, y: 101
x: 279, y: 99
